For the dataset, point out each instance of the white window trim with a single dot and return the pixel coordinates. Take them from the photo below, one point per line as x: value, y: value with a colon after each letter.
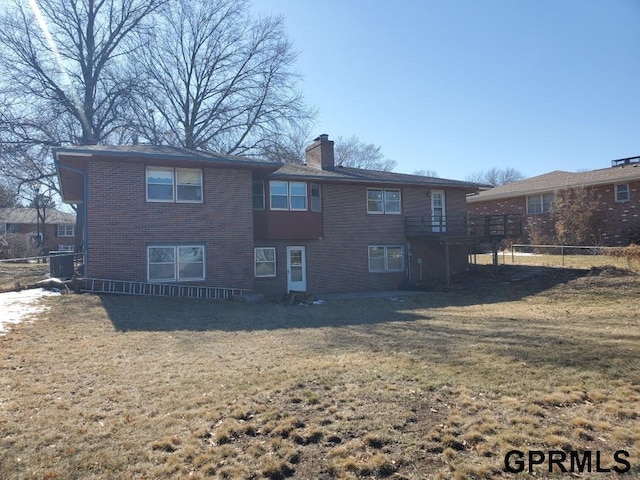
x: 386, y: 258
x: 289, y: 207
x: 628, y: 192
x: 175, y: 182
x: 65, y: 248
x: 255, y: 263
x: 540, y: 196
x: 176, y: 264
x: 384, y: 201
x: 65, y: 226
x: 306, y: 197
x: 174, y: 185
x: 399, y: 201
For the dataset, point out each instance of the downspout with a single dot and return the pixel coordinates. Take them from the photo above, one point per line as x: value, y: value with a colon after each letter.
x: 83, y: 209
x: 409, y: 262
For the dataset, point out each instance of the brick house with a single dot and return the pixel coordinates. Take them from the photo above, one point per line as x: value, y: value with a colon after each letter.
x: 616, y: 190
x: 163, y: 214
x: 56, y: 229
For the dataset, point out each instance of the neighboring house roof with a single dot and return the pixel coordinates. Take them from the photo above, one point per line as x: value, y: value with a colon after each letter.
x: 359, y: 175
x: 559, y: 180
x: 28, y: 216
x: 163, y: 152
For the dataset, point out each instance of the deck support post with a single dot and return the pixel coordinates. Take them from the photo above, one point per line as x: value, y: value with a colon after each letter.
x: 494, y: 255
x: 447, y: 264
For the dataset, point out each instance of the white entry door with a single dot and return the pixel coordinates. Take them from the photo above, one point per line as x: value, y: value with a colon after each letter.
x: 438, y: 211
x: 296, y: 269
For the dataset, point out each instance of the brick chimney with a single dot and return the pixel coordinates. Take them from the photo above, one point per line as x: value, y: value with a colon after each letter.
x: 320, y: 153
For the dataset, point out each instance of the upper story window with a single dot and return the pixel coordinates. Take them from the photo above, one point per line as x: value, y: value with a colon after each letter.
x: 316, y: 198
x: 384, y: 200
x: 288, y: 195
x: 65, y: 231
x: 542, y: 203
x: 258, y: 195
x: 622, y: 193
x: 182, y: 185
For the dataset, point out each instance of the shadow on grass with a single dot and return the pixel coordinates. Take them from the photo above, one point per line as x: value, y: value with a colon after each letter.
x: 479, y: 286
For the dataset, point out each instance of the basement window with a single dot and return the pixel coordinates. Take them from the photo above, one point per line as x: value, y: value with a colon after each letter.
x: 175, y: 263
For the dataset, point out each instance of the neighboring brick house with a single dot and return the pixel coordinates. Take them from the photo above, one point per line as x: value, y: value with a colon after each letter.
x: 616, y: 190
x: 56, y: 229
x: 162, y: 214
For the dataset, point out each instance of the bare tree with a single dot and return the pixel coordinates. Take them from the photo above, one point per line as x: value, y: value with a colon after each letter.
x: 7, y: 196
x: 495, y: 176
x: 575, y: 215
x: 218, y: 79
x: 352, y: 152
x: 62, y: 79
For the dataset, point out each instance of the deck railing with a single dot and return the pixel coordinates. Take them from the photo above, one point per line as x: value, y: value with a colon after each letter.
x: 478, y: 226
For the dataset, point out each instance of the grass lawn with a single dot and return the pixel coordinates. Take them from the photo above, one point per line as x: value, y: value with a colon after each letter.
x: 15, y: 275
x: 437, y: 385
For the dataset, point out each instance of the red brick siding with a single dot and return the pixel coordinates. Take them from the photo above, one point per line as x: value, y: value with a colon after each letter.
x: 339, y: 262
x: 121, y: 223
x: 619, y: 223
x: 51, y: 239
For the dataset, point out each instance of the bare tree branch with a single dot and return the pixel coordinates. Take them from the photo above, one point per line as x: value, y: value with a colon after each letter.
x: 218, y: 79
x: 352, y: 152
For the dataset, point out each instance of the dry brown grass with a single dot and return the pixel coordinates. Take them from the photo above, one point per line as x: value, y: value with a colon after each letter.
x: 586, y: 261
x: 440, y: 385
x: 16, y: 275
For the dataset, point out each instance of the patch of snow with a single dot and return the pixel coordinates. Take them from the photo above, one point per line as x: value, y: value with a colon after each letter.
x: 15, y: 307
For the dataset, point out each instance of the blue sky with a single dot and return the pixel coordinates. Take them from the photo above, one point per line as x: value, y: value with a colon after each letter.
x: 458, y: 86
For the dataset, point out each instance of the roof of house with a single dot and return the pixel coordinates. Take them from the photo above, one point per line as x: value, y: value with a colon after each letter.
x: 359, y: 175
x: 163, y: 152
x: 29, y: 215
x: 558, y: 180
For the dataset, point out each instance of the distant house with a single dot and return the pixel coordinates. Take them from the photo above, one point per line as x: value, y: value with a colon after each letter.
x: 56, y: 229
x: 174, y: 216
x: 615, y: 189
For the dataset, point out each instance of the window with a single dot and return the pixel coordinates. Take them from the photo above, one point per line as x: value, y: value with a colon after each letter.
x: 65, y: 248
x: 174, y: 185
x: 258, y: 195
x: 265, y: 261
x: 386, y: 258
x: 288, y: 195
x: 175, y: 263
x: 316, y: 198
x: 3, y: 228
x: 383, y: 201
x: 392, y: 201
x: 622, y: 193
x: 65, y: 230
x: 298, y: 194
x: 188, y: 185
x: 542, y: 203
